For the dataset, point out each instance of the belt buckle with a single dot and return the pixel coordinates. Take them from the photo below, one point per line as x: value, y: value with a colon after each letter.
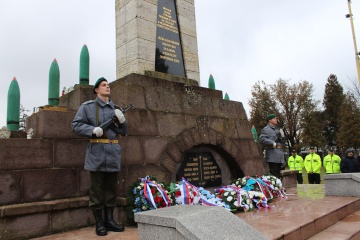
x: 110, y: 141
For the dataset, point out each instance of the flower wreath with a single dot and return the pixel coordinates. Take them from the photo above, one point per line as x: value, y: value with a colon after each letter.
x: 244, y: 194
x: 146, y: 194
x: 254, y: 184
x: 235, y: 198
x: 183, y: 192
x: 210, y: 199
x: 259, y: 199
x: 274, y: 185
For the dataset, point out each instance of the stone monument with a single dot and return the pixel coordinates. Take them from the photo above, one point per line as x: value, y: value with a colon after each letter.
x: 176, y: 128
x: 156, y: 35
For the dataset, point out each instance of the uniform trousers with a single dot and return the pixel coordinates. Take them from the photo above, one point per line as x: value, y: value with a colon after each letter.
x: 102, y: 190
x: 314, y: 178
x: 299, y: 178
x: 275, y: 169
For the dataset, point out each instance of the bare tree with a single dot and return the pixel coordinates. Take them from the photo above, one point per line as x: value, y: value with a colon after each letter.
x: 355, y: 90
x: 290, y: 102
x: 22, y: 119
x: 347, y: 135
x: 313, y: 131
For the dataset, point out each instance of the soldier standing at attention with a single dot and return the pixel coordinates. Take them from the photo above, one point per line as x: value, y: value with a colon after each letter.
x: 312, y: 164
x: 332, y: 162
x: 103, y: 153
x: 296, y: 162
x: 271, y: 139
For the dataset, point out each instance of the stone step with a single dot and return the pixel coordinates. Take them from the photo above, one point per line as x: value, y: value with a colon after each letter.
x: 346, y: 228
x: 304, y: 213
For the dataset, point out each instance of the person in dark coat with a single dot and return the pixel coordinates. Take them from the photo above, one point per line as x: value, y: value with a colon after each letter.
x: 273, y: 142
x: 103, y: 153
x: 349, y: 163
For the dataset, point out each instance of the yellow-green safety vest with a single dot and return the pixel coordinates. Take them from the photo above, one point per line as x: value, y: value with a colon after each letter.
x: 332, y: 163
x: 312, y: 163
x: 296, y: 163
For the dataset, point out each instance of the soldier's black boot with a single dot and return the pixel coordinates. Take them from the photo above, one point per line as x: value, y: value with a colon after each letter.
x: 100, y: 227
x: 110, y: 224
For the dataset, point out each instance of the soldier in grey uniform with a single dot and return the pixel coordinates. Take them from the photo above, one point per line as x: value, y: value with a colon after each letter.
x: 103, y: 153
x: 271, y: 139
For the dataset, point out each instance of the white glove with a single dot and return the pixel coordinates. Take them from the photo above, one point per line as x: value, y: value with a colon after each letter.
x: 274, y: 144
x: 98, y: 131
x: 120, y: 116
x: 282, y: 133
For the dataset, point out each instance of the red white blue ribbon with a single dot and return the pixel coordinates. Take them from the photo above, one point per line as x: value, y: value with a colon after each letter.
x: 279, y: 192
x: 260, y: 186
x: 205, y: 202
x: 184, y: 189
x: 147, y: 191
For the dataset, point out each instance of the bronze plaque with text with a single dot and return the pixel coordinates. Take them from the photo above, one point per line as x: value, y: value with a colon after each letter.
x: 169, y: 58
x: 200, y: 169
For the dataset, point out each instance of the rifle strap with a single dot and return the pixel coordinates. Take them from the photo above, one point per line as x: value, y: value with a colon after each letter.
x: 97, y: 113
x: 97, y: 117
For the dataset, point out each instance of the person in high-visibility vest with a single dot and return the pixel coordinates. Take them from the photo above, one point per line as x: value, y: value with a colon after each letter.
x: 332, y: 162
x: 313, y: 164
x: 296, y: 162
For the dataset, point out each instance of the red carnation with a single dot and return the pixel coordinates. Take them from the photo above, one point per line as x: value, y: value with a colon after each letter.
x: 177, y: 194
x: 153, y: 191
x: 157, y: 199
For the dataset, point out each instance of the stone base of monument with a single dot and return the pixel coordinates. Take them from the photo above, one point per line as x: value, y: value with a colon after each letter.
x: 193, y: 222
x: 170, y: 120
x: 344, y: 184
x: 289, y: 178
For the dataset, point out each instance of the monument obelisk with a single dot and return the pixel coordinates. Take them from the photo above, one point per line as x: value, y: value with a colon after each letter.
x: 156, y: 35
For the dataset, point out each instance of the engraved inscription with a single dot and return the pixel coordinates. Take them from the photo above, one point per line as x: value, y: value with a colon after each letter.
x: 200, y: 169
x: 169, y: 58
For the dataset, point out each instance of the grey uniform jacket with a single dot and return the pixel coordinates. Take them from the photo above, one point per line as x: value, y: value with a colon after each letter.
x: 268, y: 136
x: 103, y: 157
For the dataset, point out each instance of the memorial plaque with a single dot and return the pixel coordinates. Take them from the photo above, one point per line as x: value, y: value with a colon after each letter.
x: 169, y: 58
x: 200, y: 169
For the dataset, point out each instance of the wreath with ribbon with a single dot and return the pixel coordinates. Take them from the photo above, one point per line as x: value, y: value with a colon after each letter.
x: 244, y: 194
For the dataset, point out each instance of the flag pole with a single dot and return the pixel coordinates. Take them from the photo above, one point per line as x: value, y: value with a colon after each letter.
x: 357, y: 54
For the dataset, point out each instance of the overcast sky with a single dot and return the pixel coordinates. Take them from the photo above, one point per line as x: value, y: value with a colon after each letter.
x: 240, y: 42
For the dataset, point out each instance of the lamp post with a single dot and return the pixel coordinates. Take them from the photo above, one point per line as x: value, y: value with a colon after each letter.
x: 357, y: 54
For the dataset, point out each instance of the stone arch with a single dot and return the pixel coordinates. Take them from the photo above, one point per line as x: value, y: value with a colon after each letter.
x: 230, y: 149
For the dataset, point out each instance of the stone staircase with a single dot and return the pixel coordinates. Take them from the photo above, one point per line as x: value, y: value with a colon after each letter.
x: 308, y: 214
x: 346, y: 228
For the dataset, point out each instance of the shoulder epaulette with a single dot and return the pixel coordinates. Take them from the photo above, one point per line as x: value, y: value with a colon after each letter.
x: 90, y: 101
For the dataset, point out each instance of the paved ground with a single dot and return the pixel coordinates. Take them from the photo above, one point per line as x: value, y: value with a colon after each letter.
x: 304, y: 203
